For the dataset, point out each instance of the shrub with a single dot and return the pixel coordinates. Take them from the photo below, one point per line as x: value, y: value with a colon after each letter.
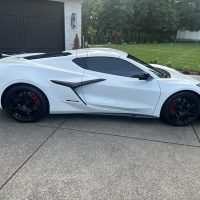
x: 100, y: 38
x: 129, y: 37
x: 117, y: 37
x: 108, y: 37
x: 154, y: 61
x: 92, y: 34
x: 169, y: 64
x: 186, y: 69
x: 76, y: 44
x: 198, y: 69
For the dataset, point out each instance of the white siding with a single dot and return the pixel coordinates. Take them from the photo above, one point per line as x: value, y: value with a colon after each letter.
x: 72, y: 6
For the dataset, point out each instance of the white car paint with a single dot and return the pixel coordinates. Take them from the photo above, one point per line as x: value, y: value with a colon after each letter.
x: 122, y: 95
x: 115, y: 95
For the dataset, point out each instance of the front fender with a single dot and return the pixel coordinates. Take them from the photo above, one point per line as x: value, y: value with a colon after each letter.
x: 167, y: 90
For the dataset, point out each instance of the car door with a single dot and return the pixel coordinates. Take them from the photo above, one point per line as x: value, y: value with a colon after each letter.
x: 118, y: 90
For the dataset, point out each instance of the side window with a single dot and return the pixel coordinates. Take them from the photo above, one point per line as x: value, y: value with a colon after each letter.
x: 113, y: 66
x: 81, y: 62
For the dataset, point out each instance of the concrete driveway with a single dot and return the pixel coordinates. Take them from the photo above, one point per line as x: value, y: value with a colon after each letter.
x: 98, y: 157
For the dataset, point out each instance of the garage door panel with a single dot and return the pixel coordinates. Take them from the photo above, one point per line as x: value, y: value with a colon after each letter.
x: 43, y: 9
x: 43, y: 34
x: 11, y: 32
x: 10, y: 7
x: 31, y: 26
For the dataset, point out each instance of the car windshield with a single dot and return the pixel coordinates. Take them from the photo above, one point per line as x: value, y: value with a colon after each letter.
x: 158, y: 72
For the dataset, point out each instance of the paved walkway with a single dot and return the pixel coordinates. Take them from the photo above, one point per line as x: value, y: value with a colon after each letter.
x: 98, y: 157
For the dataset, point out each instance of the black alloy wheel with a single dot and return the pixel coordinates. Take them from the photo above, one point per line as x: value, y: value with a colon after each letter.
x: 181, y: 109
x: 25, y: 103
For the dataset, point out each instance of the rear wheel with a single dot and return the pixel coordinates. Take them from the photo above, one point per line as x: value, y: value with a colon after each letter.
x: 181, y: 109
x: 25, y: 103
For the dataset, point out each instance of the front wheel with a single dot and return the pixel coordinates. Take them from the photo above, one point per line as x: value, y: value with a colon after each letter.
x: 25, y: 103
x: 181, y: 109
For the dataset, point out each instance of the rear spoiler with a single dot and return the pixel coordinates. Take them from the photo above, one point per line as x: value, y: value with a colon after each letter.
x: 8, y: 54
x: 3, y: 55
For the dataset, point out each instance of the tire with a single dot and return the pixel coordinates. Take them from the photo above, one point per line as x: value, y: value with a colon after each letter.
x: 181, y: 109
x: 26, y: 103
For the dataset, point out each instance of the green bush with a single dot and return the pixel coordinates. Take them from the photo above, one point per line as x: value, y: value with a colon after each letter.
x: 117, y: 37
x: 169, y: 64
x: 131, y: 37
x: 198, y: 70
x: 100, y: 38
x: 154, y: 61
x: 186, y: 69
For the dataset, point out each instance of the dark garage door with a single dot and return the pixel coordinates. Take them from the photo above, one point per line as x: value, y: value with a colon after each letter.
x: 31, y: 26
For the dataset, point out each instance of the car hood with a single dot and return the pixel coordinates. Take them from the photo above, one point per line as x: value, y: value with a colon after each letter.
x: 176, y: 74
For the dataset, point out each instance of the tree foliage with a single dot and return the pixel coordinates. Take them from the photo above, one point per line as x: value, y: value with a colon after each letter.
x: 141, y: 16
x: 189, y: 14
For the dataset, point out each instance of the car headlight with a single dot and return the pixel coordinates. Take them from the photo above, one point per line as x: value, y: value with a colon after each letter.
x: 198, y: 85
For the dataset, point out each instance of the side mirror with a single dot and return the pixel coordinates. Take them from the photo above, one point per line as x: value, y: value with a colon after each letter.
x: 143, y: 77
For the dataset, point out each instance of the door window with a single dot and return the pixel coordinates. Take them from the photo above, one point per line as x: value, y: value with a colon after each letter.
x: 113, y: 66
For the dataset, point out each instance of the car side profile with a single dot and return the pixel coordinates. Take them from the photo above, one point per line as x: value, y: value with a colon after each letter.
x: 95, y: 81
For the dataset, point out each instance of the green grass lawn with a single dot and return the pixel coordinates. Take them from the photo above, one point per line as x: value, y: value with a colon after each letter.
x: 180, y: 54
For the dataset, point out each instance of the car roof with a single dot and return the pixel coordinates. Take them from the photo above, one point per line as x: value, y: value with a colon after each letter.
x: 94, y: 52
x: 91, y: 52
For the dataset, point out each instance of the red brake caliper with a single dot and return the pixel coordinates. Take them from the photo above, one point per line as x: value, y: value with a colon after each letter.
x: 36, y: 101
x: 173, y: 108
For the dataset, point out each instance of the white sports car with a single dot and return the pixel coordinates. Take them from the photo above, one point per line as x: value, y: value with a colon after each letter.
x: 95, y: 81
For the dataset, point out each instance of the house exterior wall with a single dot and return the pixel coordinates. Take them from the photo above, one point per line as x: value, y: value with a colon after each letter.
x: 72, y: 6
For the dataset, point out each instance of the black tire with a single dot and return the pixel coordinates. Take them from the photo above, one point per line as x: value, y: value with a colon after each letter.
x: 26, y: 103
x: 181, y: 109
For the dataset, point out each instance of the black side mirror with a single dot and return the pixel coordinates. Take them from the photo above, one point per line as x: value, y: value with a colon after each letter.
x: 143, y: 77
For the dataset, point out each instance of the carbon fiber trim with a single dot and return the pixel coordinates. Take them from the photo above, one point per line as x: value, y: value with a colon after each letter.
x: 73, y: 86
x: 78, y: 84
